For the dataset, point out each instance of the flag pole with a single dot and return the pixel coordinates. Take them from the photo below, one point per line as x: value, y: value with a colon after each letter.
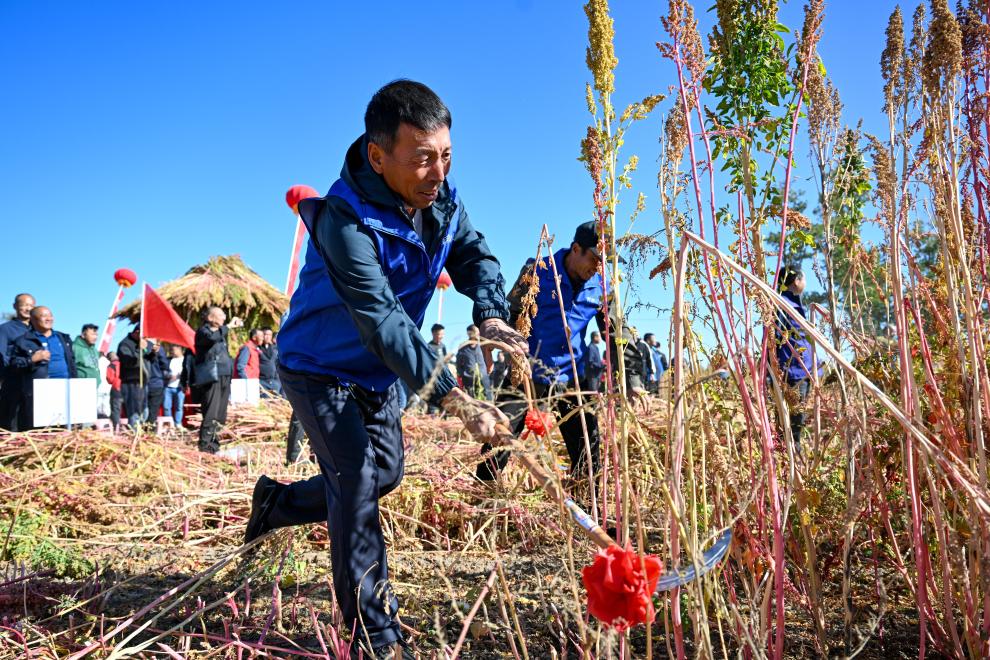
x: 292, y: 277
x: 144, y: 287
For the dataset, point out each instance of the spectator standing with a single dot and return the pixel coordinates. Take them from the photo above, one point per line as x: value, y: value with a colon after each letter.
x: 132, y: 352
x: 795, y: 355
x: 249, y: 357
x: 86, y: 356
x: 660, y: 362
x: 500, y: 369
x: 594, y: 364
x: 113, y: 378
x: 157, y: 377
x: 213, y: 370
x: 649, y: 365
x: 10, y: 387
x: 268, y: 364
x: 38, y: 354
x: 175, y: 386
x: 471, y: 367
x: 439, y: 350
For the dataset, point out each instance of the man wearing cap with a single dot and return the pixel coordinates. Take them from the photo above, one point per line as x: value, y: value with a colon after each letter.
x: 377, y: 244
x: 10, y: 387
x: 581, y: 291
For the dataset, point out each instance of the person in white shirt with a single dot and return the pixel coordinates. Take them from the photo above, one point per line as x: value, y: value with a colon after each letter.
x: 175, y: 385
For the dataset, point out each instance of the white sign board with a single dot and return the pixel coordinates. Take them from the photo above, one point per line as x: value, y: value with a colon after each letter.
x: 61, y: 401
x: 245, y: 390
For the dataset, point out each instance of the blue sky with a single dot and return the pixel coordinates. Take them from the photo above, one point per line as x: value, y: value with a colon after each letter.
x: 154, y: 135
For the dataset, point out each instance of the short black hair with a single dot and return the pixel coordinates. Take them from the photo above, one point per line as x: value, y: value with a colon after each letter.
x: 472, y: 326
x: 647, y: 336
x: 89, y: 326
x: 787, y: 275
x: 266, y: 328
x: 436, y: 327
x: 255, y: 331
x: 403, y: 102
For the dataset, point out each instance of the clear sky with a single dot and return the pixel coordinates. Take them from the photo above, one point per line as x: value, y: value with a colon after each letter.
x: 153, y: 135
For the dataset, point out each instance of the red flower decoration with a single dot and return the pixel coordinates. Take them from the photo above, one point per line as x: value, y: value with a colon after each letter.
x: 538, y: 423
x: 298, y: 193
x: 444, y: 281
x: 125, y: 277
x: 619, y: 595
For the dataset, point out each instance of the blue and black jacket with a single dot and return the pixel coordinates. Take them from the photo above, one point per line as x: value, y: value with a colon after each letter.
x: 368, y: 278
x: 27, y: 371
x: 794, y: 352
x: 548, y: 339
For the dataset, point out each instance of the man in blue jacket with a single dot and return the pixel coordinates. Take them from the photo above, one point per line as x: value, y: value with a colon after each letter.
x: 581, y: 290
x: 37, y: 354
x: 795, y: 355
x: 10, y: 387
x: 377, y: 244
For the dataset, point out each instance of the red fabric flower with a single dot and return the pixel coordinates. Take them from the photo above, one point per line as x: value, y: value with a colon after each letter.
x: 538, y: 423
x: 619, y: 595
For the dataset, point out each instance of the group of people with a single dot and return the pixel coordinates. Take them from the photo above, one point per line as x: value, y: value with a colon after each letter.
x: 141, y: 379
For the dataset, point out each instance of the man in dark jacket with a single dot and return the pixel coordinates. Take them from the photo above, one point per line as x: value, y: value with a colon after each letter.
x: 378, y: 242
x: 10, y: 386
x: 213, y: 371
x: 594, y: 364
x: 132, y: 351
x: 37, y: 354
x: 158, y: 370
x: 268, y: 364
x: 471, y: 367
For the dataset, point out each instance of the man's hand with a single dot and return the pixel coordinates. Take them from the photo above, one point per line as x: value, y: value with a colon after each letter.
x: 481, y: 418
x: 497, y: 330
x: 236, y: 322
x: 40, y: 356
x: 144, y: 344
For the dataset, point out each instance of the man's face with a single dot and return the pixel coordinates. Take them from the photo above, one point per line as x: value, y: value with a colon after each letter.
x: 176, y: 351
x: 581, y: 263
x: 417, y: 165
x: 438, y: 336
x: 595, y: 338
x: 269, y: 337
x: 42, y: 319
x: 89, y: 336
x: 473, y: 333
x: 217, y: 317
x: 23, y: 306
x: 798, y: 285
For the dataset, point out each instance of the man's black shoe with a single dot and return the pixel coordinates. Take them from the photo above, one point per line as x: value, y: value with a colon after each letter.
x: 386, y: 652
x: 263, y: 500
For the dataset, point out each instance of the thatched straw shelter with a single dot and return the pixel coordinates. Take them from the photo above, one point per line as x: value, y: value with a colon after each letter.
x: 226, y: 282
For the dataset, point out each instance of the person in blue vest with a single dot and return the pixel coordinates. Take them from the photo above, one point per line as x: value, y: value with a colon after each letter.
x: 795, y: 355
x: 582, y: 291
x: 377, y: 244
x: 40, y: 353
x: 10, y: 387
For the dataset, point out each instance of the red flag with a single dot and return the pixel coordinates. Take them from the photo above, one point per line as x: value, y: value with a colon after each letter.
x: 160, y: 321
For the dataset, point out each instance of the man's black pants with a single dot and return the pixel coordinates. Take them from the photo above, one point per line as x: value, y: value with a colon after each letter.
x: 564, y: 402
x: 156, y: 398
x: 10, y: 404
x: 135, y: 396
x: 115, y: 399
x: 214, y: 399
x: 357, y: 438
